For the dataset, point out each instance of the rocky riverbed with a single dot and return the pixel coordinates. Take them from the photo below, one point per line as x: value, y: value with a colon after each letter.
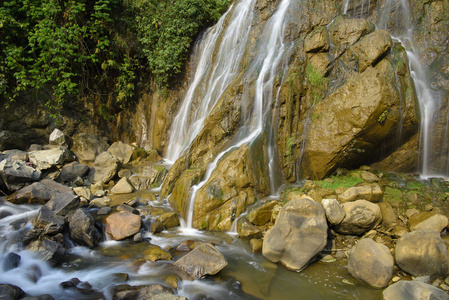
x: 79, y: 204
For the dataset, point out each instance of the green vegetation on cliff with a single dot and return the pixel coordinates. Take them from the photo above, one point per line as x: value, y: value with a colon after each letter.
x: 67, y: 49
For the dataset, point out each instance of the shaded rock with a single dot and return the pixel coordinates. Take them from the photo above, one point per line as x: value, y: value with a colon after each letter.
x: 421, y: 253
x: 123, y: 186
x: 427, y: 220
x: 86, y: 147
x: 361, y: 216
x: 123, y: 152
x: 122, y: 225
x: 371, y: 262
x: 147, y: 177
x: 36, y: 193
x: 41, y: 297
x: 124, y: 173
x: 56, y: 186
x: 334, y: 212
x: 299, y: 234
x: 153, y: 292
x: 246, y: 230
x: 59, y: 138
x: 82, y: 228
x: 46, y: 159
x: 13, y: 140
x: 156, y: 253
x: 64, y: 204
x: 104, y: 168
x: 11, y: 292
x: 16, y: 174
x: 72, y: 171
x: 261, y: 215
x: 47, y: 221
x: 372, y: 193
x: 48, y: 250
x: 406, y: 290
x: 169, y: 220
x: 203, y: 260
x: 399, y: 230
x: 104, y: 211
x: 11, y: 261
x: 83, y: 192
x: 370, y: 48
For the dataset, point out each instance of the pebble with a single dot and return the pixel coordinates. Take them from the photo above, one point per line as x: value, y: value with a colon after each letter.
x: 137, y: 237
x: 346, y: 281
x: 396, y: 279
x: 444, y: 287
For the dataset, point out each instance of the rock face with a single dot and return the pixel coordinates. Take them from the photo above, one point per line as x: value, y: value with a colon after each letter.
x: 122, y: 225
x: 361, y: 216
x: 299, y: 234
x: 405, y: 290
x: 104, y: 168
x: 261, y: 215
x: 16, y: 174
x: 371, y: 262
x: 13, y: 140
x: 46, y: 159
x: 421, y: 253
x: 203, y: 260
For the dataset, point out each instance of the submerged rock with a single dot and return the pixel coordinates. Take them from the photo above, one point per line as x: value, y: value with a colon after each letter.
x: 371, y: 262
x: 300, y: 233
x: 203, y: 260
x: 421, y: 253
x: 11, y: 261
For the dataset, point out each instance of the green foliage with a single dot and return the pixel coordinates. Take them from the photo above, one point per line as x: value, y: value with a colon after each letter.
x: 76, y: 48
x: 340, y: 181
x: 317, y: 81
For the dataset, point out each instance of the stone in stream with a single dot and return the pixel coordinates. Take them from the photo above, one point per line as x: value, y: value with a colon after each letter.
x: 371, y: 262
x: 246, y: 230
x: 156, y: 253
x: 73, y: 170
x: 11, y: 292
x: 122, y: 225
x: 421, y: 253
x: 300, y: 233
x: 82, y: 228
x: 154, y: 292
x: 36, y: 193
x: 169, y: 220
x: 64, y: 204
x: 407, y: 290
x: 204, y: 260
x: 361, y: 216
x: 11, y: 261
x: 49, y: 222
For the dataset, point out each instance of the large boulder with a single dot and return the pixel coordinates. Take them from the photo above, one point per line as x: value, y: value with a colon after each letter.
x: 428, y: 220
x: 8, y: 291
x: 371, y: 262
x: 203, y: 260
x: 63, y: 204
x: 421, y: 253
x: 122, y: 225
x: 82, y: 228
x: 406, y: 290
x: 369, y: 192
x: 104, y: 168
x: 86, y: 147
x: 73, y: 170
x: 47, y: 221
x: 46, y: 159
x: 123, y: 152
x: 59, y: 138
x: 300, y: 233
x: 334, y: 212
x: 16, y: 174
x: 36, y: 193
x: 361, y: 216
x: 147, y: 177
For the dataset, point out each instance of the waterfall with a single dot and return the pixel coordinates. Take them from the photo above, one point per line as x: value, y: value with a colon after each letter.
x: 213, y: 74
x: 271, y: 53
x: 396, y: 17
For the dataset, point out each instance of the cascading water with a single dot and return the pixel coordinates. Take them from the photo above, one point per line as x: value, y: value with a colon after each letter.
x: 401, y: 28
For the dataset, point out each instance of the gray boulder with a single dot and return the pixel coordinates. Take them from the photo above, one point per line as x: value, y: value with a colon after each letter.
x: 361, y: 216
x: 422, y: 252
x: 72, y: 171
x: 406, y: 290
x: 56, y: 186
x: 59, y: 138
x: 86, y: 147
x: 16, y: 174
x: 104, y: 168
x: 46, y: 159
x: 371, y: 262
x: 203, y: 260
x: 122, y: 225
x: 123, y: 152
x: 64, y: 204
x: 36, y: 193
x: 299, y: 234
x: 9, y: 291
x: 82, y: 228
x: 334, y: 212
x: 48, y: 221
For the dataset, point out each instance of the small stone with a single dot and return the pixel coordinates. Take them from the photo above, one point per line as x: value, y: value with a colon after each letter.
x: 172, y: 281
x: 100, y: 202
x: 137, y: 237
x: 255, y: 245
x: 428, y: 207
x: 410, y: 212
x: 156, y: 253
x: 123, y: 186
x: 341, y: 255
x: 79, y: 181
x: 156, y: 227
x: 124, y: 207
x: 396, y: 279
x: 104, y: 211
